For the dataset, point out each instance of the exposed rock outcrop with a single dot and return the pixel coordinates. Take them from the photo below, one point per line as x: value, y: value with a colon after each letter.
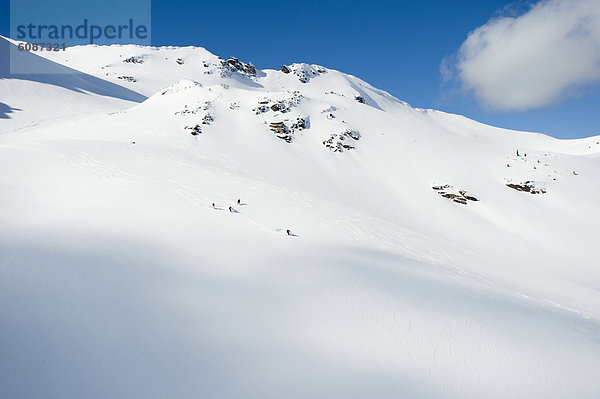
x: 127, y: 78
x: 454, y: 194
x: 195, y: 130
x: 527, y: 187
x: 339, y: 142
x: 281, y: 131
x: 134, y: 60
x: 301, y: 123
x: 286, y: 132
x: 232, y: 65
x: 283, y: 106
x: 304, y: 72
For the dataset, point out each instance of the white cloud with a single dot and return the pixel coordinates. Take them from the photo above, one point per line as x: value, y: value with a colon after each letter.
x: 534, y: 59
x: 446, y: 71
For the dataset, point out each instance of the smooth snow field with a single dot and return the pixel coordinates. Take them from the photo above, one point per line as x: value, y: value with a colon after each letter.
x: 429, y: 255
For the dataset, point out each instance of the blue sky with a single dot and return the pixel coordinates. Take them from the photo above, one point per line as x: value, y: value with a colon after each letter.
x: 399, y: 46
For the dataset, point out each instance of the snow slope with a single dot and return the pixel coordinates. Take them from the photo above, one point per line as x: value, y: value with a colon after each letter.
x: 36, y: 98
x: 119, y: 279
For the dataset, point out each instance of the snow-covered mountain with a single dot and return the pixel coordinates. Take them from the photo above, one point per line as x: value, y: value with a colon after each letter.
x: 429, y: 256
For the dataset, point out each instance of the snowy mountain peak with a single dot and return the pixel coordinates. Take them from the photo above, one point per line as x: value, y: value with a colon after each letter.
x: 304, y: 72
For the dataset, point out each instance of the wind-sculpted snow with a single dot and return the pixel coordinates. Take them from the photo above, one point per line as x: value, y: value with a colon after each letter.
x: 241, y: 235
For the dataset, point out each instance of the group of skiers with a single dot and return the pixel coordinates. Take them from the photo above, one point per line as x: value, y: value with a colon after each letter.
x: 239, y: 202
x: 230, y: 208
